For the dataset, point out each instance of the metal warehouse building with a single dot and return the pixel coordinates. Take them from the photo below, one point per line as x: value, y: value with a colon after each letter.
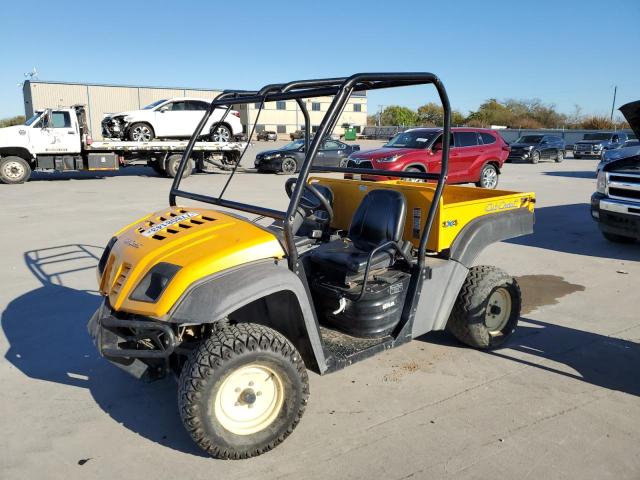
x: 101, y: 99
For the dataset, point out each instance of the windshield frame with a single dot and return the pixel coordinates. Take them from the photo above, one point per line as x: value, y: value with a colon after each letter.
x: 155, y: 104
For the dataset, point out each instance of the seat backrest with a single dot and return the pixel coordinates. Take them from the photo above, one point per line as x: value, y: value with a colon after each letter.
x: 379, y: 219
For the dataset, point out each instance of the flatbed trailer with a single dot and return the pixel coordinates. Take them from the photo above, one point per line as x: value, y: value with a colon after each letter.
x: 59, y: 140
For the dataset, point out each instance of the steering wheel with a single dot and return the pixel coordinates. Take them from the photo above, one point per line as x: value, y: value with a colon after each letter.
x: 311, y: 200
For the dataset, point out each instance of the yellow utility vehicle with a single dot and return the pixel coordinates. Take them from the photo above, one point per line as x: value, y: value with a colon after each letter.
x: 239, y: 310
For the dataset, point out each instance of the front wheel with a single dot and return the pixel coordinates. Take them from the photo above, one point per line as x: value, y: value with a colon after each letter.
x: 488, y: 177
x: 289, y: 166
x: 535, y: 157
x: 243, y: 391
x: 141, y: 132
x: 559, y: 156
x: 487, y: 309
x: 221, y: 133
x: 413, y: 170
x: 14, y: 170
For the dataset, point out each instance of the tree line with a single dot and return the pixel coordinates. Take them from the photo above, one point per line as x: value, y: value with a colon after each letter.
x: 8, y: 122
x: 509, y: 113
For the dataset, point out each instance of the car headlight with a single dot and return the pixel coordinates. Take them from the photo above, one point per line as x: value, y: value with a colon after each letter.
x: 597, y: 147
x: 128, y: 118
x: 601, y: 183
x: 154, y: 282
x: 392, y: 158
x: 272, y: 156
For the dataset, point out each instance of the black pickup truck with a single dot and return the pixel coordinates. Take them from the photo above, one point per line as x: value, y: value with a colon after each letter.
x: 616, y: 203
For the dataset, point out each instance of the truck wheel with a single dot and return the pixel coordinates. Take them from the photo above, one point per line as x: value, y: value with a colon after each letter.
x: 488, y: 177
x: 559, y: 156
x: 140, y: 132
x: 14, y: 170
x: 615, y: 238
x: 535, y: 157
x: 243, y: 391
x: 221, y: 134
x: 487, y: 309
x: 289, y: 166
x: 173, y: 163
x: 576, y: 156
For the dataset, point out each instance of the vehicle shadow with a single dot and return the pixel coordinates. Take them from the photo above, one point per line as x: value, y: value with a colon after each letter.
x: 570, y: 229
x: 596, y: 359
x: 135, y: 171
x: 590, y: 174
x: 48, y: 340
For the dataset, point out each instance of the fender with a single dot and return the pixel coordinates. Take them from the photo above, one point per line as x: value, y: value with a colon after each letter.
x: 265, y: 292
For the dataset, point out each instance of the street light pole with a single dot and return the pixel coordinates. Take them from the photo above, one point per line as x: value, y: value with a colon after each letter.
x: 613, y: 105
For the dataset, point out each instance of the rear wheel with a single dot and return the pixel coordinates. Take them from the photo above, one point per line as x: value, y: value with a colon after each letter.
x: 535, y: 157
x: 173, y: 163
x: 243, y: 391
x: 221, y: 133
x: 288, y: 166
x: 141, y: 132
x: 487, y: 309
x: 488, y: 177
x: 14, y: 170
x: 615, y: 238
x: 559, y: 156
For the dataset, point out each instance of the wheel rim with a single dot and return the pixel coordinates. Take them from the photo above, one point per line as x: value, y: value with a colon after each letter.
x: 221, y: 134
x: 489, y: 178
x: 249, y: 399
x: 415, y: 180
x: 560, y: 156
x: 13, y: 170
x: 535, y: 157
x: 142, y: 134
x: 288, y: 166
x: 498, y: 310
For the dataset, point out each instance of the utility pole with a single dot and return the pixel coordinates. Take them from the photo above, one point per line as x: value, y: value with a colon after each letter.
x: 380, y: 115
x: 613, y: 105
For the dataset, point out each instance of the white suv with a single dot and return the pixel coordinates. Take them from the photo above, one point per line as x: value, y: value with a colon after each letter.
x: 172, y: 118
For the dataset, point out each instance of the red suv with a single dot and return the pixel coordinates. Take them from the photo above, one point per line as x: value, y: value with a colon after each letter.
x: 476, y: 155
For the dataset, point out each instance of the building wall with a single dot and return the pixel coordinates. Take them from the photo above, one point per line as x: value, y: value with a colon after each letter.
x: 107, y: 99
x: 291, y: 119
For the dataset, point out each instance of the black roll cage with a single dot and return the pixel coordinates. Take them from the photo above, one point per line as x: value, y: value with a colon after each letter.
x: 341, y: 90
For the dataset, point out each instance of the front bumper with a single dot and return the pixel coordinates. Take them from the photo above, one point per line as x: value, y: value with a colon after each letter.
x: 112, y: 128
x: 588, y: 153
x: 271, y: 165
x: 140, y: 347
x: 616, y: 217
x: 519, y: 155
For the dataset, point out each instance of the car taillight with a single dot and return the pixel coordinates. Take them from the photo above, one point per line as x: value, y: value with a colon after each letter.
x: 237, y: 114
x: 506, y: 148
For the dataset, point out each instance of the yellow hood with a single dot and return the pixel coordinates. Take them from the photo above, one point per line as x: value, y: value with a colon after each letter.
x: 201, y: 242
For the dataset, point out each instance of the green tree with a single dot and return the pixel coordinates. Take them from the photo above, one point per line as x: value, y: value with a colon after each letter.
x: 8, y: 122
x: 397, y: 115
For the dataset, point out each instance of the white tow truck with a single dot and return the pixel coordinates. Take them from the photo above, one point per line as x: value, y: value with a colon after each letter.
x: 59, y: 140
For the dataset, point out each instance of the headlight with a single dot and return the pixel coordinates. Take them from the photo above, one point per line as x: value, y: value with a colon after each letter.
x: 601, y: 183
x: 154, y: 282
x: 128, y: 118
x: 597, y: 147
x: 392, y: 158
x: 105, y: 255
x: 272, y: 156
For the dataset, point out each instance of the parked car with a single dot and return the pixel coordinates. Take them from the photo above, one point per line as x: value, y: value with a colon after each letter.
x: 172, y: 118
x: 595, y: 144
x: 297, y: 135
x: 267, y: 135
x: 533, y: 148
x: 616, y: 203
x: 630, y: 148
x: 476, y: 155
x: 288, y: 159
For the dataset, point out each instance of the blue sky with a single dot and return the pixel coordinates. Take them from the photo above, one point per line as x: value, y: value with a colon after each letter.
x: 480, y: 49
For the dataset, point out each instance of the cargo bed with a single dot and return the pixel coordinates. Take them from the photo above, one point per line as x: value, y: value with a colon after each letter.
x: 459, y: 205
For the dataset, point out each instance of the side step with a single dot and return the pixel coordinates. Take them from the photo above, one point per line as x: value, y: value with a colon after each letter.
x: 342, y: 350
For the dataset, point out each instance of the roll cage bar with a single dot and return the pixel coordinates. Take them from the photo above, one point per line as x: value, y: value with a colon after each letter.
x: 341, y: 89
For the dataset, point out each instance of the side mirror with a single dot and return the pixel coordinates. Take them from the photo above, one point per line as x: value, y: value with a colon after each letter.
x: 163, y: 109
x: 46, y: 118
x: 436, y: 147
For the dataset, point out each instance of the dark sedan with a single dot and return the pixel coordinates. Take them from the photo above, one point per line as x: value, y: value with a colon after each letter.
x: 288, y: 159
x: 533, y: 148
x: 267, y: 135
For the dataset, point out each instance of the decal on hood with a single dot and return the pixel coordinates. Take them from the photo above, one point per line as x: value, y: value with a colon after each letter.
x: 167, y: 223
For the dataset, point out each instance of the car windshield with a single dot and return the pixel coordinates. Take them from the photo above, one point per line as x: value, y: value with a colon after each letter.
x: 31, y: 120
x: 415, y: 139
x: 293, y: 145
x: 154, y: 104
x: 529, y: 139
x: 596, y: 136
